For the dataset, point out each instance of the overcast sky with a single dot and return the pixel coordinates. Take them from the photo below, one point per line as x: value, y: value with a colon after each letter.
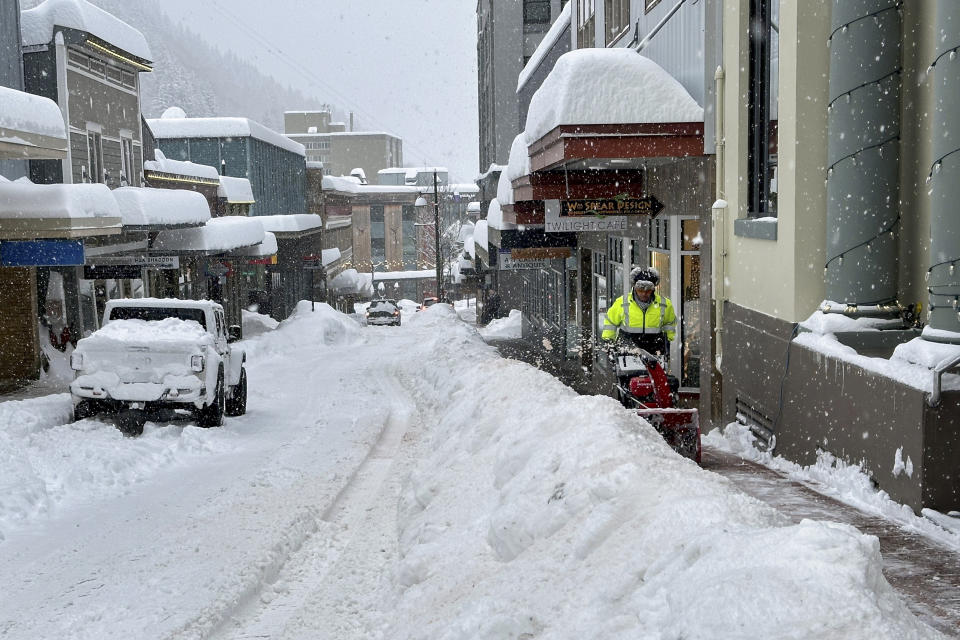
x: 408, y: 67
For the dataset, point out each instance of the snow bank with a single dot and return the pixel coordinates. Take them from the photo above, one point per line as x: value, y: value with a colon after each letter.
x: 72, y: 201
x: 166, y: 128
x: 27, y: 113
x: 218, y: 235
x: 504, y: 328
x: 141, y: 206
x: 607, y: 86
x: 325, y: 326
x: 255, y: 324
x: 537, y: 512
x: 37, y: 25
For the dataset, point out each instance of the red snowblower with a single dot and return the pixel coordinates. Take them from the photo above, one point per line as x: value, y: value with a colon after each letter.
x: 643, y: 384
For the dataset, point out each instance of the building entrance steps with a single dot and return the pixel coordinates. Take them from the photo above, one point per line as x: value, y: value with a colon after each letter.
x: 924, y: 573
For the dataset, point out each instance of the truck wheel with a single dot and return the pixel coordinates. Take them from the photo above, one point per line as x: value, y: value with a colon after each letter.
x: 237, y: 403
x: 83, y: 410
x: 131, y: 422
x: 212, y: 414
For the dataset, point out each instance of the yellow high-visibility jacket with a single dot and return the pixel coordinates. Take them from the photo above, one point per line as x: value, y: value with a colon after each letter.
x: 659, y: 317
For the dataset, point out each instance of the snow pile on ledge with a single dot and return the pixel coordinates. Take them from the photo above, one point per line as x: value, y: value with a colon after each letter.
x: 824, y: 323
x: 535, y: 512
x: 495, y: 216
x: 166, y: 128
x: 924, y: 351
x: 180, y: 167
x: 480, y: 234
x: 505, y: 190
x: 504, y: 328
x: 292, y: 223
x: 235, y: 190
x: 140, y: 206
x: 27, y: 113
x: 519, y: 159
x: 73, y: 201
x: 608, y: 86
x: 37, y: 25
x: 218, y: 235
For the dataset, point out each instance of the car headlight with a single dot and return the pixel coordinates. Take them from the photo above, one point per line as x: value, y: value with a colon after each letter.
x: 76, y: 361
x: 197, y: 363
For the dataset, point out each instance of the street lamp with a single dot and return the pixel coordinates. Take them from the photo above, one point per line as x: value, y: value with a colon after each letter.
x: 422, y: 202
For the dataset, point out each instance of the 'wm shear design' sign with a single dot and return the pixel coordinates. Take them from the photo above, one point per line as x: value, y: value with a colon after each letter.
x: 618, y: 206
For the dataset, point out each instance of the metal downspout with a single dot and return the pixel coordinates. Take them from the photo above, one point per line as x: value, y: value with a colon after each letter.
x: 943, y: 276
x: 863, y: 158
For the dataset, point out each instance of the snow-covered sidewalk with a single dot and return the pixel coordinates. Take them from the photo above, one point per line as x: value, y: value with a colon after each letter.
x: 410, y: 483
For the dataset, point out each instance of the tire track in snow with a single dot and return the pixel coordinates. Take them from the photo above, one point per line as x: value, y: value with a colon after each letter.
x: 286, y: 590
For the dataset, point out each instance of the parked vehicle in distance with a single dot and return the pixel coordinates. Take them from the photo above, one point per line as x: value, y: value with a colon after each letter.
x: 428, y: 302
x: 383, y: 312
x: 154, y: 356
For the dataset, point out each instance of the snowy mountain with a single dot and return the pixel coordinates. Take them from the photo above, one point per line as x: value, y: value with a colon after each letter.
x: 197, y: 76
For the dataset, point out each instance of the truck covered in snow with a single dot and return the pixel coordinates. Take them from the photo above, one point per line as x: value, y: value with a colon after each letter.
x: 154, y: 357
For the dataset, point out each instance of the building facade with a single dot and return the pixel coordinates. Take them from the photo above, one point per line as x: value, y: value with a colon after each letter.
x: 340, y: 150
x: 836, y: 234
x: 508, y: 32
x: 241, y: 148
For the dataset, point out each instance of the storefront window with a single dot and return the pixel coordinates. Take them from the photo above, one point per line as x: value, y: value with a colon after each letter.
x: 691, y: 315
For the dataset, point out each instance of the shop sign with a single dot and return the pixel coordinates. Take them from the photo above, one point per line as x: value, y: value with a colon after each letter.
x: 218, y: 269
x: 617, y: 206
x: 140, y: 261
x: 555, y: 223
x: 507, y: 263
x: 41, y: 253
x: 111, y: 272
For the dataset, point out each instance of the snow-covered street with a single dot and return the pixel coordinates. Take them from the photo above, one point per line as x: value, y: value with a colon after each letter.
x: 406, y: 483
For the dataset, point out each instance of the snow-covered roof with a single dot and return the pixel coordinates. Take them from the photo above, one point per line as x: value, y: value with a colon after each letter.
x: 351, y: 184
x: 339, y: 222
x: 519, y: 165
x: 329, y: 256
x: 25, y: 200
x: 553, y: 35
x: 164, y: 164
x: 293, y: 223
x: 405, y: 275
x: 480, y: 235
x: 495, y: 217
x: 464, y: 188
x: 167, y: 128
x: 466, y: 232
x: 266, y: 248
x: 608, y: 86
x: 492, y: 168
x: 37, y: 25
x: 473, y: 207
x: 154, y: 207
x: 470, y: 248
x: 218, y: 235
x: 505, y: 190
x: 122, y: 332
x: 350, y: 281
x: 25, y: 113
x: 236, y: 190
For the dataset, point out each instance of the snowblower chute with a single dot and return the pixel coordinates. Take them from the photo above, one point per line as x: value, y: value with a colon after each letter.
x: 644, y: 385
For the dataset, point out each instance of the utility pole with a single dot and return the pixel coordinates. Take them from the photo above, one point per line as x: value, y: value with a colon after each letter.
x: 436, y: 234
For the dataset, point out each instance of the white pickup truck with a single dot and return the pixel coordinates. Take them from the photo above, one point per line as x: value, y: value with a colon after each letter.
x: 153, y: 356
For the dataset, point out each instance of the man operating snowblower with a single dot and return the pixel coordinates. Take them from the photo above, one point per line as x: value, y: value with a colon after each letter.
x: 638, y: 330
x: 646, y: 319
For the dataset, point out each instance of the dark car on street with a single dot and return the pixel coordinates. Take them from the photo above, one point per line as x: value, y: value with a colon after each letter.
x: 383, y: 312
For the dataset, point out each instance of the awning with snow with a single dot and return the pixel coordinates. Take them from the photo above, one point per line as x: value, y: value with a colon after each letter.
x: 145, y: 209
x: 610, y: 109
x: 236, y: 190
x: 31, y: 127
x: 167, y: 170
x: 293, y: 225
x: 29, y: 211
x: 219, y: 235
x: 265, y: 249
